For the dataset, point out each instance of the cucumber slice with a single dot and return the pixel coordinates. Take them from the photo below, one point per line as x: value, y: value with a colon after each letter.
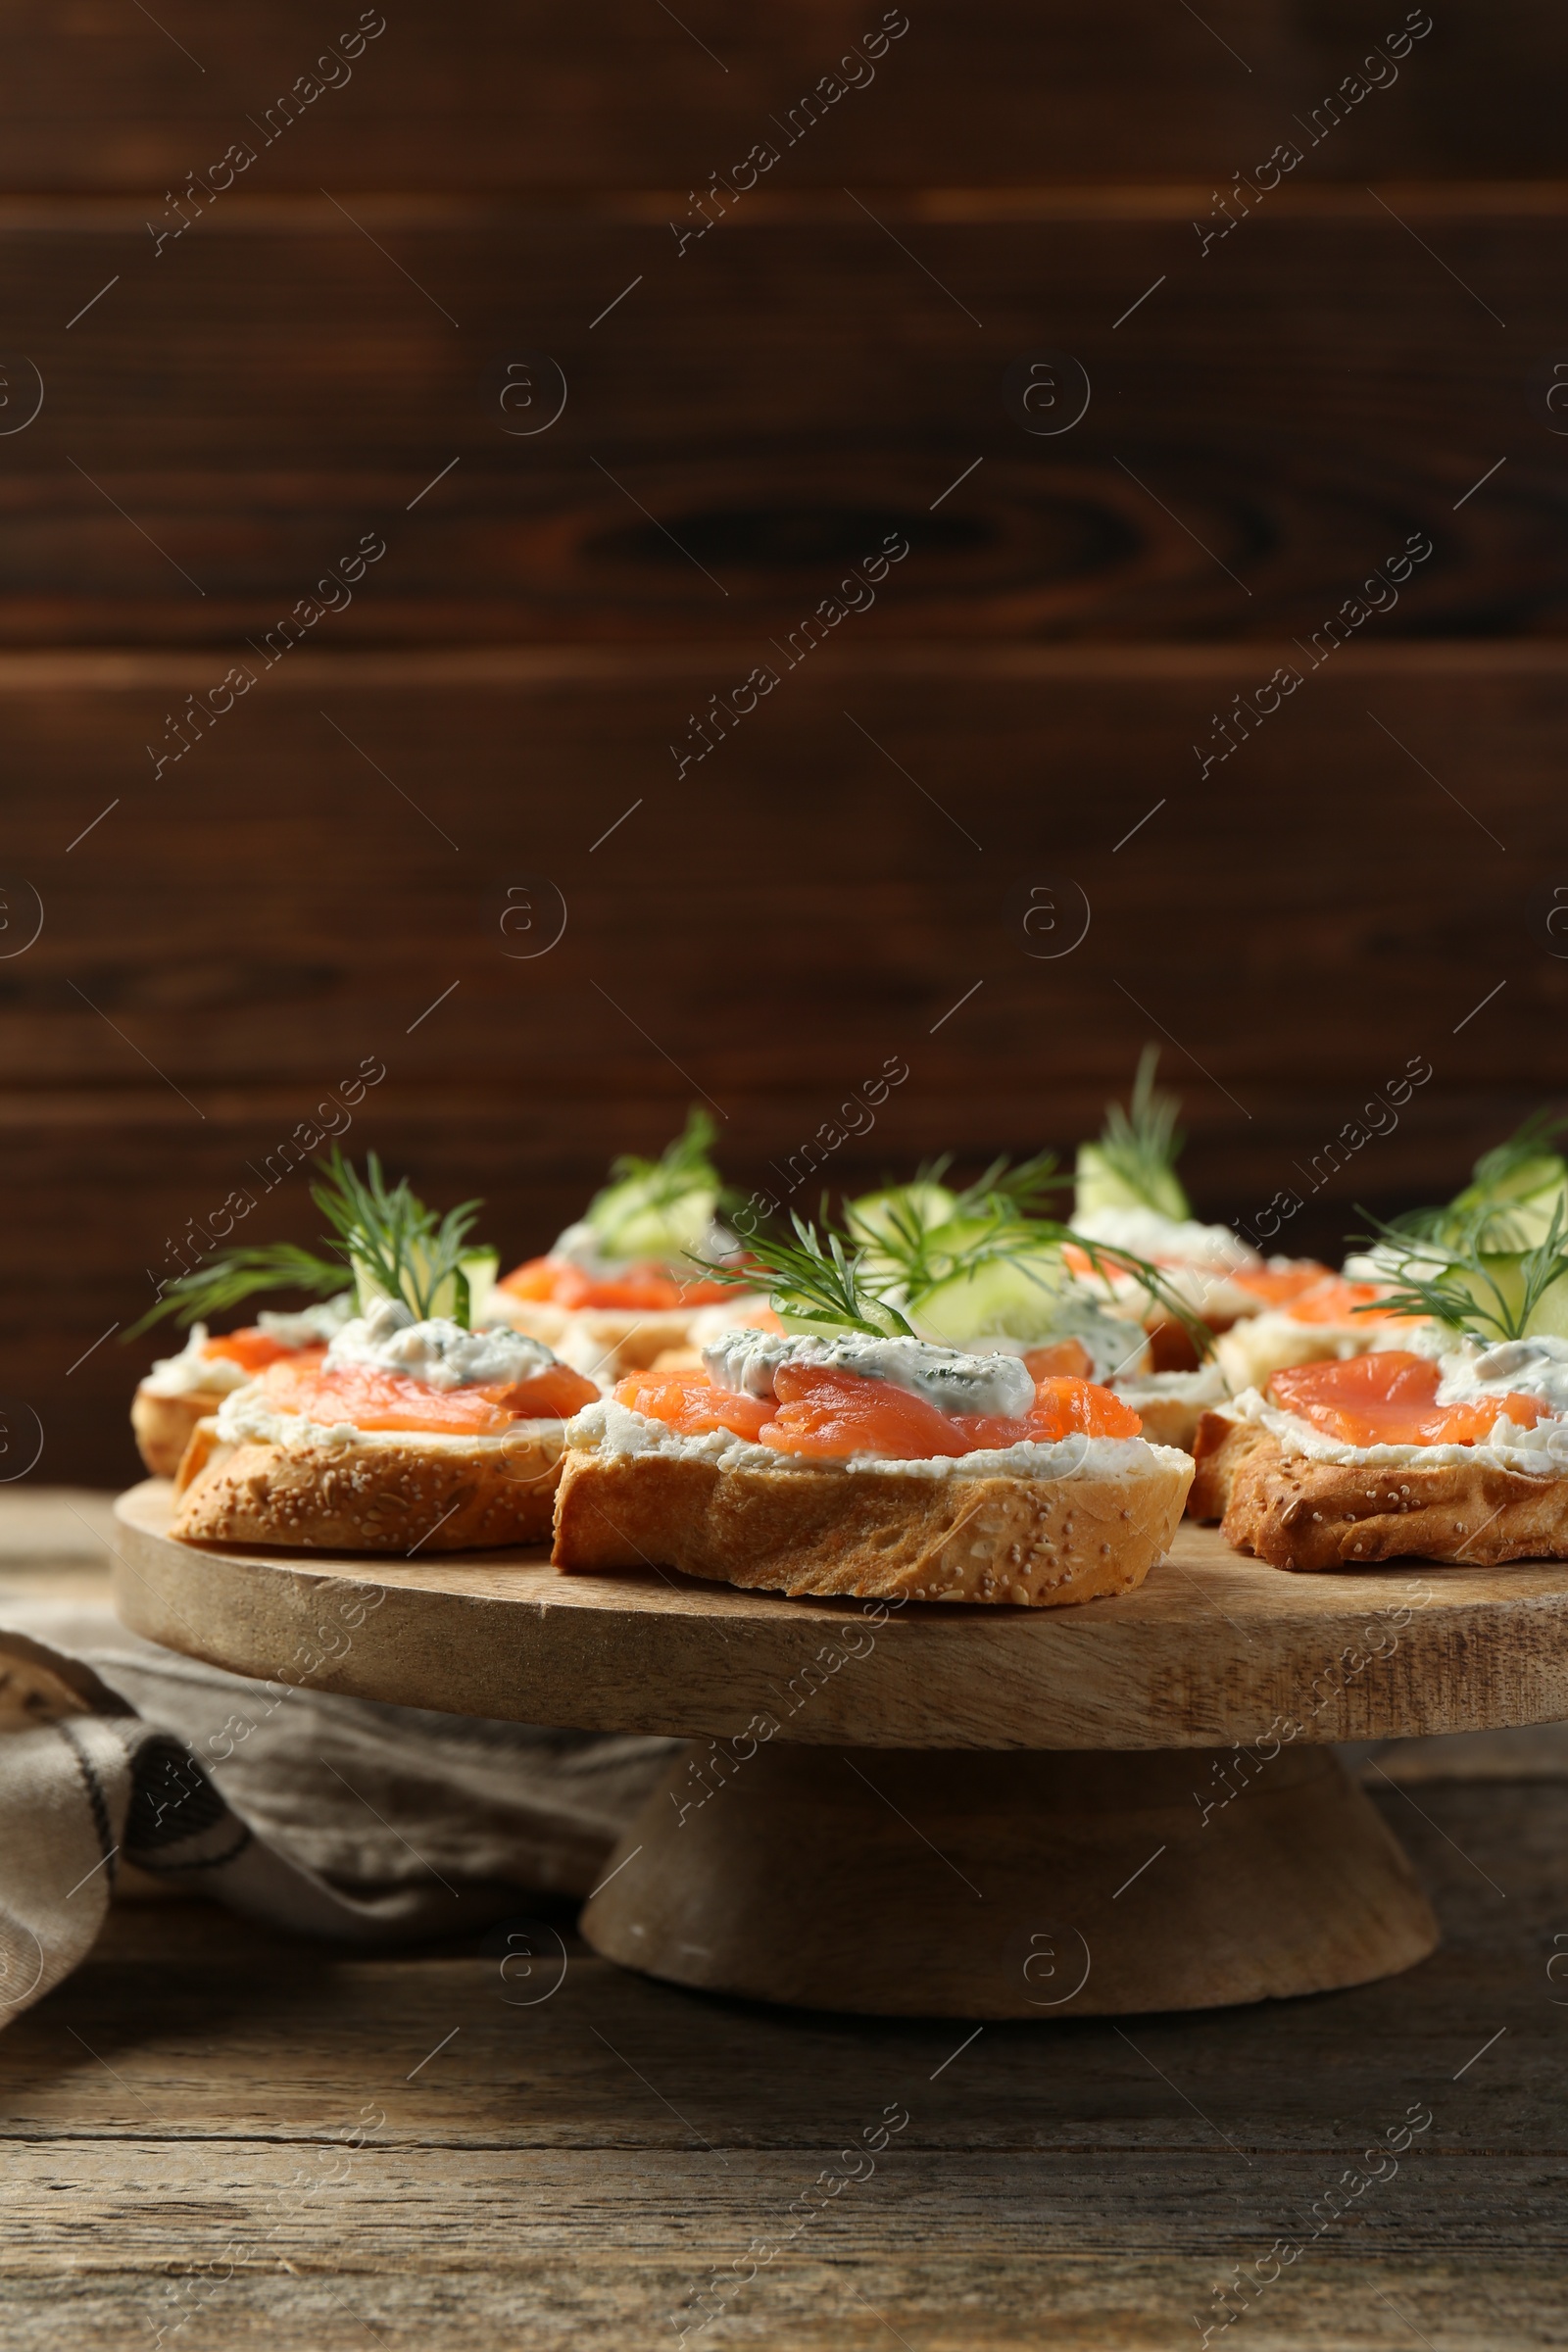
x: 477, y: 1269
x: 1527, y: 1199
x: 1012, y: 1299
x: 925, y: 1206
x: 630, y: 1224
x: 1505, y: 1269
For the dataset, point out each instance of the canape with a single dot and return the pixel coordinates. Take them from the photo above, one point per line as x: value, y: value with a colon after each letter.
x: 410, y: 1434
x: 185, y: 1389
x: 1451, y: 1448
x: 1321, y: 1317
x: 1308, y: 1314
x: 846, y: 1456
x: 619, y: 1288
x: 181, y: 1389
x: 1130, y: 1196
x: 411, y: 1429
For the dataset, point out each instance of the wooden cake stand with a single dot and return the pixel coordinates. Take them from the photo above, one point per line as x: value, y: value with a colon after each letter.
x: 937, y: 1810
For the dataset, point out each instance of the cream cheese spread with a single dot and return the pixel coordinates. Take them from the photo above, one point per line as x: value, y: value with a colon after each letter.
x: 581, y: 1245
x: 312, y: 1326
x: 611, y: 1429
x: 745, y: 1361
x: 1177, y: 1240
x: 247, y: 1417
x: 438, y: 1353
x: 191, y: 1373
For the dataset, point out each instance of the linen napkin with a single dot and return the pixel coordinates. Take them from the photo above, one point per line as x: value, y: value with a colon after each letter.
x: 334, y: 1817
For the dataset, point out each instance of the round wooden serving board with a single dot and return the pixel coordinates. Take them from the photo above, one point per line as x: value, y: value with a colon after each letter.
x: 820, y: 1848
x: 1214, y: 1649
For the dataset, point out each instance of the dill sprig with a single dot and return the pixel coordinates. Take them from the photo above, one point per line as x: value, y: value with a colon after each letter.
x: 1485, y: 1295
x: 386, y: 1233
x: 919, y: 1256
x: 684, y: 1167
x: 1504, y: 1204
x: 1108, y: 1260
x: 379, y: 1231
x: 1024, y: 1189
x: 221, y: 1281
x: 1139, y: 1145
x: 816, y: 1279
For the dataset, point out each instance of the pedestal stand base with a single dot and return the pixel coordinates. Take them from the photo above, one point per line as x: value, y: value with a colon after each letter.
x: 955, y: 1883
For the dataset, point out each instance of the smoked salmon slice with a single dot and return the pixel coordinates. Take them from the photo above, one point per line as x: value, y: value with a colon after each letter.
x: 644, y: 1289
x: 688, y: 1404
x: 1336, y: 1301
x: 254, y: 1348
x: 1063, y: 1355
x: 373, y: 1399
x: 1289, y: 1282
x: 832, y: 1415
x: 1390, y: 1398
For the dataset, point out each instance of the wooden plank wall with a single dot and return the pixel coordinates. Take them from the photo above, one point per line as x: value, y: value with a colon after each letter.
x: 251, y: 370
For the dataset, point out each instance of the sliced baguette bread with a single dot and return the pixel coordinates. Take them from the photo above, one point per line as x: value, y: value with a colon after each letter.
x: 1298, y: 1513
x: 869, y: 1531
x: 163, y: 1426
x: 378, y: 1490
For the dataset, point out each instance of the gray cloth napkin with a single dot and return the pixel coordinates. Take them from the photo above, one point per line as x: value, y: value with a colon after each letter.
x: 334, y: 1817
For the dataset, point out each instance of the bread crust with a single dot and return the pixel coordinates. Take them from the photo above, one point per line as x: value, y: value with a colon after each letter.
x: 391, y: 1490
x: 1168, y: 1420
x: 876, y: 1533
x: 163, y: 1425
x: 1312, y: 1516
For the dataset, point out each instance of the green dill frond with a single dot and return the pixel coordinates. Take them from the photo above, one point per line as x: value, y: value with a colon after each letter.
x: 814, y: 1279
x: 382, y: 1238
x: 916, y: 1260
x: 1479, y: 1293
x: 1024, y: 1190
x: 231, y: 1275
x: 1106, y: 1261
x: 1134, y: 1163
x: 395, y: 1244
x: 1508, y: 1203
x: 685, y: 1165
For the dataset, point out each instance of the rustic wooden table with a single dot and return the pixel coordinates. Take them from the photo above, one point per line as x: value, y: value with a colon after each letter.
x: 243, y: 2140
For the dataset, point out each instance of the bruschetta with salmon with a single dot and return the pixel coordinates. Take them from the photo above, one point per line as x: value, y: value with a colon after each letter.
x: 1453, y: 1447
x: 410, y: 1434
x: 410, y: 1428
x: 181, y: 1389
x: 1128, y: 1195
x: 619, y: 1289
x: 845, y: 1455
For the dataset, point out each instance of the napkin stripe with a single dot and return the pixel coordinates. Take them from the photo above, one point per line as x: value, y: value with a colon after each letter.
x: 108, y: 1845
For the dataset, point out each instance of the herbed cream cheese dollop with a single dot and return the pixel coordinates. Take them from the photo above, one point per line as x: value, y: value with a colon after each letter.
x: 311, y: 1326
x: 582, y: 1244
x: 438, y: 1353
x: 745, y: 1361
x: 191, y: 1373
x: 1148, y: 1233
